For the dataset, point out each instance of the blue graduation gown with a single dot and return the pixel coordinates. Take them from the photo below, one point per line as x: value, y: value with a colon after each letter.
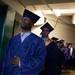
x: 31, y: 52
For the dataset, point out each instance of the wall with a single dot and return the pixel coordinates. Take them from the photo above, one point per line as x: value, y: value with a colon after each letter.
x: 62, y: 28
x: 7, y: 30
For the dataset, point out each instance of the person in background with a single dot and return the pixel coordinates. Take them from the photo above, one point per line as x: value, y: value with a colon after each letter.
x: 66, y: 52
x: 54, y: 39
x: 46, y: 29
x: 25, y: 53
x: 61, y: 47
x: 62, y: 43
x: 54, y: 58
x: 71, y: 49
x: 72, y: 55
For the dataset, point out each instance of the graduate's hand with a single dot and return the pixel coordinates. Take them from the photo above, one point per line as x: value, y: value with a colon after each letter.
x: 15, y: 60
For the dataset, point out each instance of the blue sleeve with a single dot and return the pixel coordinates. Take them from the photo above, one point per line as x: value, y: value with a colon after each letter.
x: 6, y: 59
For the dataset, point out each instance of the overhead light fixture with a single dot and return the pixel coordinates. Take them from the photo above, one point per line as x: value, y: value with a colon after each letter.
x: 57, y: 12
x: 47, y: 11
x: 73, y: 19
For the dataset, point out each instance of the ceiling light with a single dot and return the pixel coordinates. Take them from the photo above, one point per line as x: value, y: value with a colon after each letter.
x: 73, y: 19
x: 57, y: 12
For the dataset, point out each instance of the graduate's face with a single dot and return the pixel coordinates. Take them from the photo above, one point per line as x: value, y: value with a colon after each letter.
x: 45, y: 32
x: 26, y: 23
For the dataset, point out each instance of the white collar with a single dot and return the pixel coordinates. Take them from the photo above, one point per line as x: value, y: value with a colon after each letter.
x: 24, y: 35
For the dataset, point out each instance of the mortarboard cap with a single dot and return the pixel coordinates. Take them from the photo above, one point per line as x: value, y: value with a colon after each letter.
x: 47, y: 25
x: 54, y: 38
x: 31, y: 15
x: 62, y: 40
x: 59, y: 42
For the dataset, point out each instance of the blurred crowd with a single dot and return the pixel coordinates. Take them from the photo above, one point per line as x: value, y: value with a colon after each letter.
x: 60, y: 55
x: 68, y: 51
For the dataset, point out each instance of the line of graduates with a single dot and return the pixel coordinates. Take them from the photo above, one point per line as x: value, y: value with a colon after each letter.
x: 55, y: 57
x: 69, y: 54
x: 59, y: 56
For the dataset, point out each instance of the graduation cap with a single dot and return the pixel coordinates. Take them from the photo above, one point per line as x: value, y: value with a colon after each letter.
x: 48, y: 26
x: 59, y: 42
x: 31, y: 15
x: 54, y: 38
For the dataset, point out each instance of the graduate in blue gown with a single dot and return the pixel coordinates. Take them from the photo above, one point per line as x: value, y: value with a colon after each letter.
x: 25, y: 53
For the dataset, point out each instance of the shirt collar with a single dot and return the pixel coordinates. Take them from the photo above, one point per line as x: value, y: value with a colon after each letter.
x: 25, y: 33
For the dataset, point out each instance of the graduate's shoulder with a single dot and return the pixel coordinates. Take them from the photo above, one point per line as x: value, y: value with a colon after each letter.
x: 36, y: 37
x: 12, y: 39
x: 37, y: 40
